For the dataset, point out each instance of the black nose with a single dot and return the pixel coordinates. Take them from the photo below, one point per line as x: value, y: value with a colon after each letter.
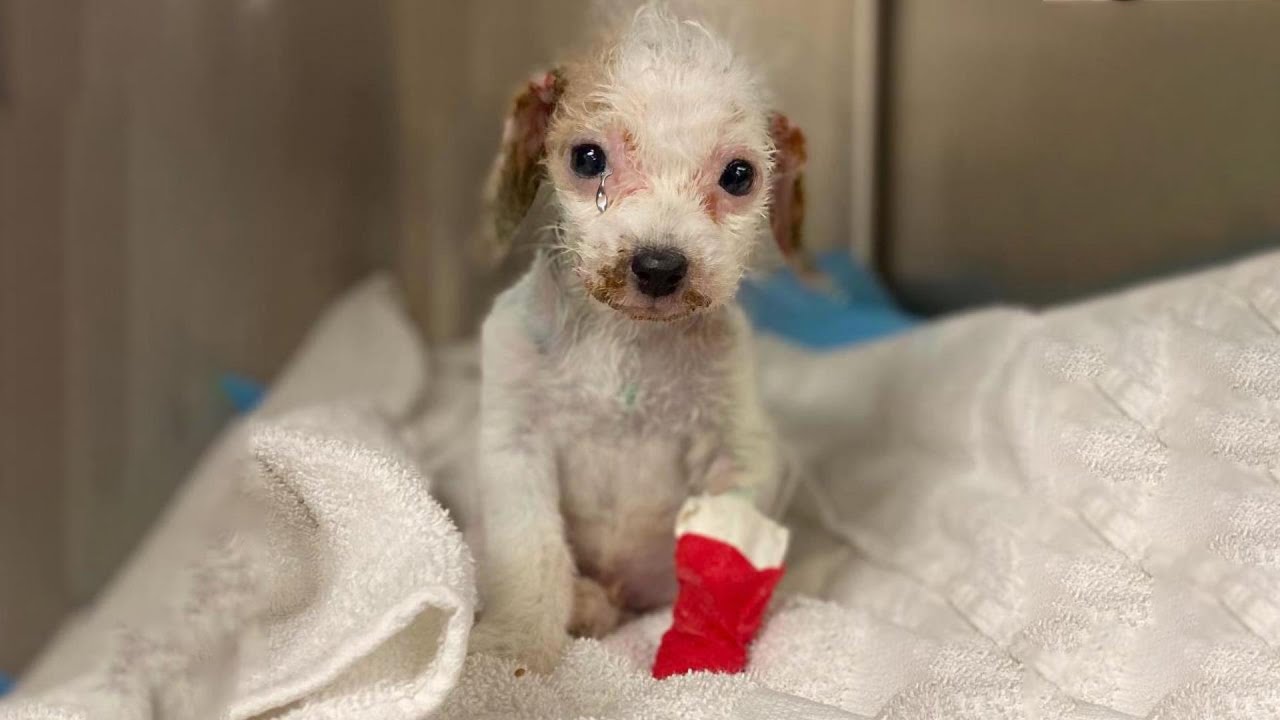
x: 658, y: 271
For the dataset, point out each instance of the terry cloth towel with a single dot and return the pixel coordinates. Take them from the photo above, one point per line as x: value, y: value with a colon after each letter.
x: 345, y: 592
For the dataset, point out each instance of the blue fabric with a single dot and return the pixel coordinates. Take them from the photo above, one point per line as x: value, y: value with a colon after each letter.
x: 855, y: 309
x: 244, y: 394
x: 6, y: 684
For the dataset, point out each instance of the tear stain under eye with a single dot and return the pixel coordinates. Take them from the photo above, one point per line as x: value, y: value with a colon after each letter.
x: 710, y: 207
x: 602, y: 200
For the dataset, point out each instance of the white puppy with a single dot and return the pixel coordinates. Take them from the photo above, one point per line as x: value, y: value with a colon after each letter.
x: 617, y: 374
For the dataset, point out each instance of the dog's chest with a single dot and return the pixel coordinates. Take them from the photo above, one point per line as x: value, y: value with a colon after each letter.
x: 634, y: 386
x: 619, y: 500
x: 628, y: 413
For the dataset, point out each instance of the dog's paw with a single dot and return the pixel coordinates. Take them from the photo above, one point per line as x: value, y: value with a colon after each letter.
x: 594, y: 612
x: 533, y: 652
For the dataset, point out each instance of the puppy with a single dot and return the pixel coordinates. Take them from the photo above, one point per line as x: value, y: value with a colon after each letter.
x: 617, y: 376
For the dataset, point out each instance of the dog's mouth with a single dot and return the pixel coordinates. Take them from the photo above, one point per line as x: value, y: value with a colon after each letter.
x: 614, y: 287
x: 654, y: 313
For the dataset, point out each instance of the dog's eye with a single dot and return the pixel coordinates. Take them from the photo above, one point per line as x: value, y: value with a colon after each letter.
x: 587, y: 160
x: 737, y: 177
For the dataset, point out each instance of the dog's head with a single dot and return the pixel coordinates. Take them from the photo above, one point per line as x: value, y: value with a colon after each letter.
x: 694, y: 167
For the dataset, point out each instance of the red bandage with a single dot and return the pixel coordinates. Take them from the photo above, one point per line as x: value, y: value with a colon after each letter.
x: 723, y: 594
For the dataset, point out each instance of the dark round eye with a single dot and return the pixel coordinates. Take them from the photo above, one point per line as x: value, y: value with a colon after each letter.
x: 587, y: 160
x: 737, y: 177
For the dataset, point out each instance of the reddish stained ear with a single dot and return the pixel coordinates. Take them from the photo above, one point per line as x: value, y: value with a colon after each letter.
x: 786, y: 209
x: 519, y: 169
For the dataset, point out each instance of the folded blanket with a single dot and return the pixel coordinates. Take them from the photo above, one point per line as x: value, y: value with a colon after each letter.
x: 344, y: 592
x: 1067, y: 515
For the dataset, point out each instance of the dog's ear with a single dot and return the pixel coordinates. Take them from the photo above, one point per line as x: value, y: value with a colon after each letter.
x: 519, y: 168
x: 786, y: 208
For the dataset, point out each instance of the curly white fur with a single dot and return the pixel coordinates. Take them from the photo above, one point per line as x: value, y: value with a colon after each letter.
x: 602, y: 408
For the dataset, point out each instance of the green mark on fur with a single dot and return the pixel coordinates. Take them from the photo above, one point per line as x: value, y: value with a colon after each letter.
x: 629, y: 395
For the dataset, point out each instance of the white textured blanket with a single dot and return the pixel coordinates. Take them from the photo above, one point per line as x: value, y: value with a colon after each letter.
x: 1070, y: 515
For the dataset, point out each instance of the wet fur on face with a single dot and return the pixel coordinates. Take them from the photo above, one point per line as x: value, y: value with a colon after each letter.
x: 671, y: 105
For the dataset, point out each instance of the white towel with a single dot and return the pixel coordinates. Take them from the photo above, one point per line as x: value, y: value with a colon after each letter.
x: 363, y: 350
x: 345, y: 592
x: 1068, y: 515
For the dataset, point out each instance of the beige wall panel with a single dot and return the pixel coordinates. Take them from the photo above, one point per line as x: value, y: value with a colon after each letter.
x: 185, y: 185
x: 1042, y: 150
x: 36, y: 71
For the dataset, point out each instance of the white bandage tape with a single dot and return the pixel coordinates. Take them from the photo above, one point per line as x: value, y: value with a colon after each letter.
x: 732, y: 519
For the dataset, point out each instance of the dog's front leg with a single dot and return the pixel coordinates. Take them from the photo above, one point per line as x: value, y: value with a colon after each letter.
x: 525, y: 570
x: 744, y: 460
x: 743, y: 454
